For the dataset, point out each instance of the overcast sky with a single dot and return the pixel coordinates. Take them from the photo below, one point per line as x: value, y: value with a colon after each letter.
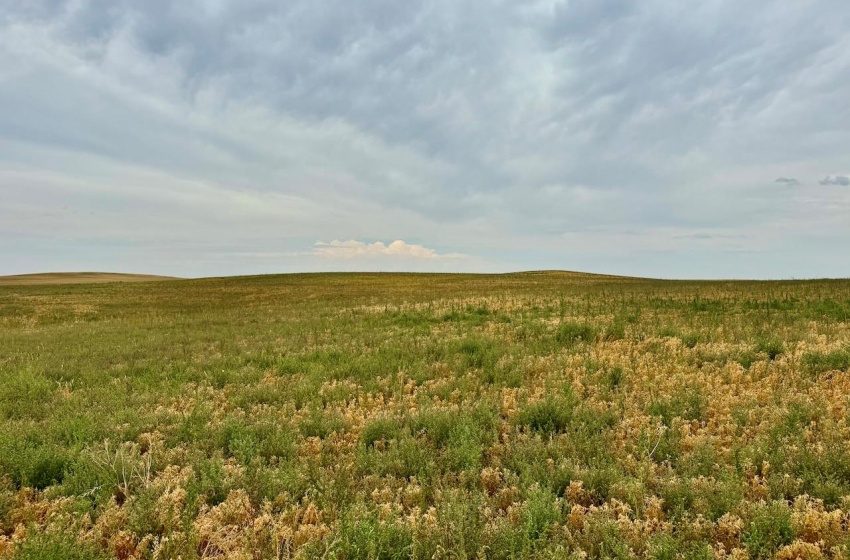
x: 655, y: 137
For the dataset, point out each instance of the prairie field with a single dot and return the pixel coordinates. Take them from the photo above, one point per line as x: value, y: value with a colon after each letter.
x: 383, y: 416
x: 76, y: 278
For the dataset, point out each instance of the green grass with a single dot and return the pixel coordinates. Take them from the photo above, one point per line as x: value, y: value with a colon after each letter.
x: 817, y: 363
x: 54, y: 547
x: 535, y: 415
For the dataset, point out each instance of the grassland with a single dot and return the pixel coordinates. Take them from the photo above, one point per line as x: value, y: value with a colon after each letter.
x: 76, y: 278
x: 546, y: 415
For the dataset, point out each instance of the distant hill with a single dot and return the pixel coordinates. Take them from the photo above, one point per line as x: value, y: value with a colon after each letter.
x: 78, y: 278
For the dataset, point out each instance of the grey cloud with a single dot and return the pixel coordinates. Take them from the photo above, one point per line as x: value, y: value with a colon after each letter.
x: 788, y: 181
x: 839, y: 180
x: 435, y: 74
x: 474, y: 119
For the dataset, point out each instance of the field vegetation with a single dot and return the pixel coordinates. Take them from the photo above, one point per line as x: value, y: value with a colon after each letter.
x: 388, y: 416
x: 76, y: 278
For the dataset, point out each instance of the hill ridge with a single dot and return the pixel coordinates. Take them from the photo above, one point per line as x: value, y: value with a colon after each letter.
x: 78, y: 278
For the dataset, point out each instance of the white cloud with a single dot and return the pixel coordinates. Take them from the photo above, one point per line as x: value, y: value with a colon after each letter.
x: 358, y: 249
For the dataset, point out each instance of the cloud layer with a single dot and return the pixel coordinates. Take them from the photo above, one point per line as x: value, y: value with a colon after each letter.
x: 225, y: 137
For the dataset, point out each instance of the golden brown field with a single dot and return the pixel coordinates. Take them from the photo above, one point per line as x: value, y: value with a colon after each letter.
x: 535, y: 415
x: 76, y: 278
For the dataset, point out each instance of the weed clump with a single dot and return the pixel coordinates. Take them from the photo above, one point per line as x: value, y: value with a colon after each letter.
x: 549, y: 416
x: 614, y: 377
x: 689, y: 405
x: 381, y: 429
x: 320, y: 424
x: 569, y: 334
x: 479, y: 353
x: 370, y: 537
x: 772, y: 347
x: 768, y: 531
x: 816, y: 363
x: 615, y: 331
x: 690, y: 340
x: 33, y: 464
x: 53, y: 547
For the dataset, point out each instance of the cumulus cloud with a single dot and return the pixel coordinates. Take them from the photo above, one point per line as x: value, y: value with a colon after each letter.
x: 788, y: 181
x: 359, y: 249
x: 838, y: 180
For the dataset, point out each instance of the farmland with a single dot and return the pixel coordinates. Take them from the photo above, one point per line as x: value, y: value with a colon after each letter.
x: 533, y: 415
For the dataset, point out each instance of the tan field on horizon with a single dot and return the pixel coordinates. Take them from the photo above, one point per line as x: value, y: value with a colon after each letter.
x: 77, y: 278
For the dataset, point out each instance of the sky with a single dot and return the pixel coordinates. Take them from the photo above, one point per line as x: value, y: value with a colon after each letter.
x: 653, y: 138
